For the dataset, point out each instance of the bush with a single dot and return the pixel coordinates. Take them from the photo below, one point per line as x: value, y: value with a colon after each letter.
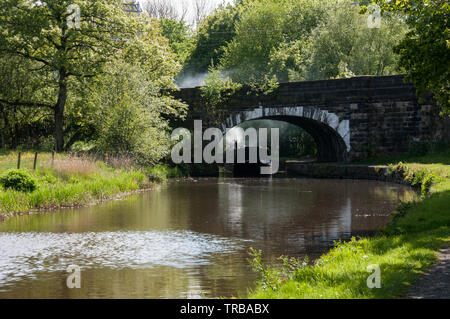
x: 18, y: 180
x: 415, y: 176
x: 49, y: 179
x: 427, y: 182
x: 157, y: 173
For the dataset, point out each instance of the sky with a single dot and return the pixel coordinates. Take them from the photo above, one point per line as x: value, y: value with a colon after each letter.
x: 211, y: 4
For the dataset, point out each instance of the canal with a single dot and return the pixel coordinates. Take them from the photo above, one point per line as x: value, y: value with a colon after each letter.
x: 187, y: 239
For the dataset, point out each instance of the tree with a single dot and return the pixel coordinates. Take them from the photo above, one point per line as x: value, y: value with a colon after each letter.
x: 24, y: 122
x: 70, y: 38
x: 425, y: 50
x: 211, y: 37
x: 262, y: 28
x: 344, y: 44
x: 309, y: 40
x: 125, y: 107
x: 179, y: 36
x: 129, y: 115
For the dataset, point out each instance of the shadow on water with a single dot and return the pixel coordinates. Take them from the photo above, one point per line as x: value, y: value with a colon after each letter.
x: 250, y: 168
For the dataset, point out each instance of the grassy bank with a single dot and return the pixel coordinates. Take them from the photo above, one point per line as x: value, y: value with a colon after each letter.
x: 403, y: 250
x: 68, y: 181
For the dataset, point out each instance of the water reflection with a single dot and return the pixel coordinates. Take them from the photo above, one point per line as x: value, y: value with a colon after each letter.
x: 187, y: 239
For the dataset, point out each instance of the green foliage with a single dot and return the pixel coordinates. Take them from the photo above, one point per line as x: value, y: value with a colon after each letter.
x: 425, y: 50
x: 129, y: 114
x: 416, y: 176
x: 344, y: 71
x: 125, y: 112
x: 266, y: 86
x: 18, y: 180
x: 427, y: 182
x: 211, y: 38
x: 344, y: 46
x: 56, y: 79
x: 267, y: 276
x: 301, y: 145
x: 262, y: 28
x: 158, y: 173
x: 272, y: 278
x: 22, y: 124
x: 179, y: 36
x: 65, y: 185
x: 39, y: 33
x: 217, y: 88
x: 178, y: 171
x: 216, y: 92
x: 330, y: 40
x: 49, y: 179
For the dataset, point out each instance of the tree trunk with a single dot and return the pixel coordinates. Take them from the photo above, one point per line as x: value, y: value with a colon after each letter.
x: 15, y: 129
x: 7, y: 129
x: 59, y: 112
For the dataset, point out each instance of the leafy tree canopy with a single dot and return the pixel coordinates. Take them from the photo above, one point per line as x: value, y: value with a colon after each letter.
x: 69, y: 64
x: 69, y: 38
x: 307, y: 40
x: 212, y: 36
x: 180, y: 38
x: 425, y: 50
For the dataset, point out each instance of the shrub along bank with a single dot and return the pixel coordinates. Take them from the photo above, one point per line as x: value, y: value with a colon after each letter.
x: 66, y: 181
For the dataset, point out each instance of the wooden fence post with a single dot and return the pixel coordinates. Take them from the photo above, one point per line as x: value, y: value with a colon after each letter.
x: 18, y: 161
x: 35, y: 161
x: 53, y: 157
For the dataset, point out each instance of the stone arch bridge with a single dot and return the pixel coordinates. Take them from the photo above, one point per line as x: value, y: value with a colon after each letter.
x: 349, y: 119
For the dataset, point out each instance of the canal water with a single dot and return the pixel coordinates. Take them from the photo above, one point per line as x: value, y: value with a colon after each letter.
x: 186, y: 239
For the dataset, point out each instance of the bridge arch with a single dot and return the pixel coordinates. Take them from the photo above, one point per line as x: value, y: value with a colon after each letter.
x: 331, y: 136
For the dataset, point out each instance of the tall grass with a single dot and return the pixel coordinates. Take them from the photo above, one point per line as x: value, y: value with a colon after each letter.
x: 74, y: 165
x: 66, y: 182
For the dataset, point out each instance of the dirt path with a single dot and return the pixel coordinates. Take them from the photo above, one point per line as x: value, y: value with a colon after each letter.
x: 435, y: 284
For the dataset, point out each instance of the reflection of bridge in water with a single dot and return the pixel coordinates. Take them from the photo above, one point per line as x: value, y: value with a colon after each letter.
x: 253, y: 159
x: 320, y: 217
x: 188, y: 239
x: 321, y: 226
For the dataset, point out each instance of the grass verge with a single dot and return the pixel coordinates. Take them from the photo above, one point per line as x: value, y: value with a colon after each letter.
x: 403, y: 250
x: 68, y: 181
